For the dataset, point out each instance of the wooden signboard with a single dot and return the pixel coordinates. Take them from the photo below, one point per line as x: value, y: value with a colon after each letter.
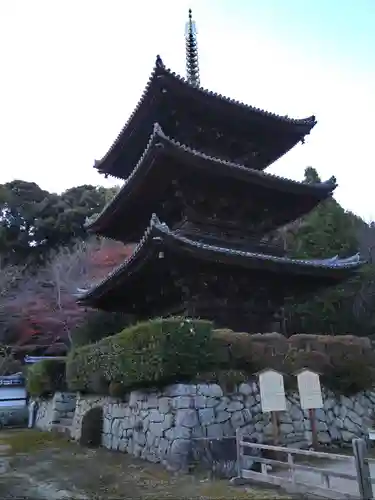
x: 272, y: 393
x: 310, y: 394
x: 272, y: 398
x: 309, y: 389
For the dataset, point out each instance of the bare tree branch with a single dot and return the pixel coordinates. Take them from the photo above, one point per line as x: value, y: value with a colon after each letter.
x: 42, y: 305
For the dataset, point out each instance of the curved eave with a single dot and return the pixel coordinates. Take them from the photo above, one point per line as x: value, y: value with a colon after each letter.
x: 159, y: 236
x: 160, y: 144
x: 160, y: 73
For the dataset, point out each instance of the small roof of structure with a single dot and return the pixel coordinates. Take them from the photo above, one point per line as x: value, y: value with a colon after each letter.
x: 266, y: 370
x: 305, y: 369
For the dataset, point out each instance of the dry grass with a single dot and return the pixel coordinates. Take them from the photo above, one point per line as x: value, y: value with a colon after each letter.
x: 21, y: 441
x: 42, y: 462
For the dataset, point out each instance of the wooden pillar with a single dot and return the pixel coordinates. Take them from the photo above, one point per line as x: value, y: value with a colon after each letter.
x: 275, y: 428
x: 314, y: 433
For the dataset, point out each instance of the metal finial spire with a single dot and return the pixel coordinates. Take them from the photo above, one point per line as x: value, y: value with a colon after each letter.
x: 192, y: 63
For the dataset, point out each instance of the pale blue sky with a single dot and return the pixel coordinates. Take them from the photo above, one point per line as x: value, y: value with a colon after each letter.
x: 73, y: 70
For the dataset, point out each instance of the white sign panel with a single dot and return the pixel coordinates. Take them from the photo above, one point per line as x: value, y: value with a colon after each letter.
x: 310, y: 392
x: 12, y: 397
x: 272, y: 393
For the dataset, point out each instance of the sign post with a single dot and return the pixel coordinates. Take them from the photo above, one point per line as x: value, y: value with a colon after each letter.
x: 314, y: 433
x: 310, y: 394
x: 272, y: 398
x: 275, y: 427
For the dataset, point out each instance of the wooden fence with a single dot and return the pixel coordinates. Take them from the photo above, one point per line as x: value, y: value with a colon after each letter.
x: 353, y: 481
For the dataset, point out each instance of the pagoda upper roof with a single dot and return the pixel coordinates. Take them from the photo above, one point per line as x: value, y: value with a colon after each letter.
x: 145, y: 266
x: 165, y: 160
x: 167, y: 92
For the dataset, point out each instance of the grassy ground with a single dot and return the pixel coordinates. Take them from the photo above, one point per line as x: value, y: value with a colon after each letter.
x: 43, y: 465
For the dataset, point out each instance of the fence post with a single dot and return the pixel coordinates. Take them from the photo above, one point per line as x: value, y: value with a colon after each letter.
x: 363, y: 469
x: 238, y: 448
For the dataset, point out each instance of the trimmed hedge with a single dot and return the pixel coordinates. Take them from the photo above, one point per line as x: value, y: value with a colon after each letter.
x: 99, y: 325
x: 152, y: 353
x: 164, y: 351
x: 46, y: 377
x: 346, y: 367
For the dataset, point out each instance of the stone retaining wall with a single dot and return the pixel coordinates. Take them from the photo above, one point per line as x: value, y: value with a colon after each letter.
x: 52, y: 411
x: 166, y: 426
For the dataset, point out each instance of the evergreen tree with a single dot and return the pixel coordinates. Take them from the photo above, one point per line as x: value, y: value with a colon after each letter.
x: 326, y: 232
x: 34, y: 222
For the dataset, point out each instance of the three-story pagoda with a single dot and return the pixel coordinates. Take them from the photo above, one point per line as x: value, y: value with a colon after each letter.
x: 197, y: 200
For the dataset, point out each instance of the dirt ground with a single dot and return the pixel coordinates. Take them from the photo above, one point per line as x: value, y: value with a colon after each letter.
x: 41, y: 465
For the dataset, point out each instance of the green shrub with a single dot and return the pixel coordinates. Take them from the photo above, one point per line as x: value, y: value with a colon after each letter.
x: 345, y: 368
x: 99, y: 325
x: 232, y: 350
x: 246, y: 353
x: 46, y: 377
x: 227, y: 379
x: 164, y: 351
x: 116, y: 390
x: 99, y: 385
x: 349, y: 373
x: 151, y: 353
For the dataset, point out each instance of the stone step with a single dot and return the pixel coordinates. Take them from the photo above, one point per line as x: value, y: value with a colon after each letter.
x: 67, y: 422
x: 66, y: 414
x: 61, y: 429
x: 66, y: 396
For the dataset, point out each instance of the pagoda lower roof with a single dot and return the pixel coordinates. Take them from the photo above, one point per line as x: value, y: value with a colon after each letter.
x: 163, y: 255
x: 165, y: 161
x: 179, y: 105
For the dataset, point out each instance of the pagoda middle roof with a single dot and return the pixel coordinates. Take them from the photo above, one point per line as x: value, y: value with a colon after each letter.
x: 165, y: 89
x: 159, y: 238
x: 164, y: 160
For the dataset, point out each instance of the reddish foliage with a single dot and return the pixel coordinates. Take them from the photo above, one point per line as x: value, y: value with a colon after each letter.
x: 104, y: 259
x: 43, y: 308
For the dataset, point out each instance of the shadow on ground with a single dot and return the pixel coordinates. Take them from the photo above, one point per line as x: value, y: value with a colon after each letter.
x: 41, y: 465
